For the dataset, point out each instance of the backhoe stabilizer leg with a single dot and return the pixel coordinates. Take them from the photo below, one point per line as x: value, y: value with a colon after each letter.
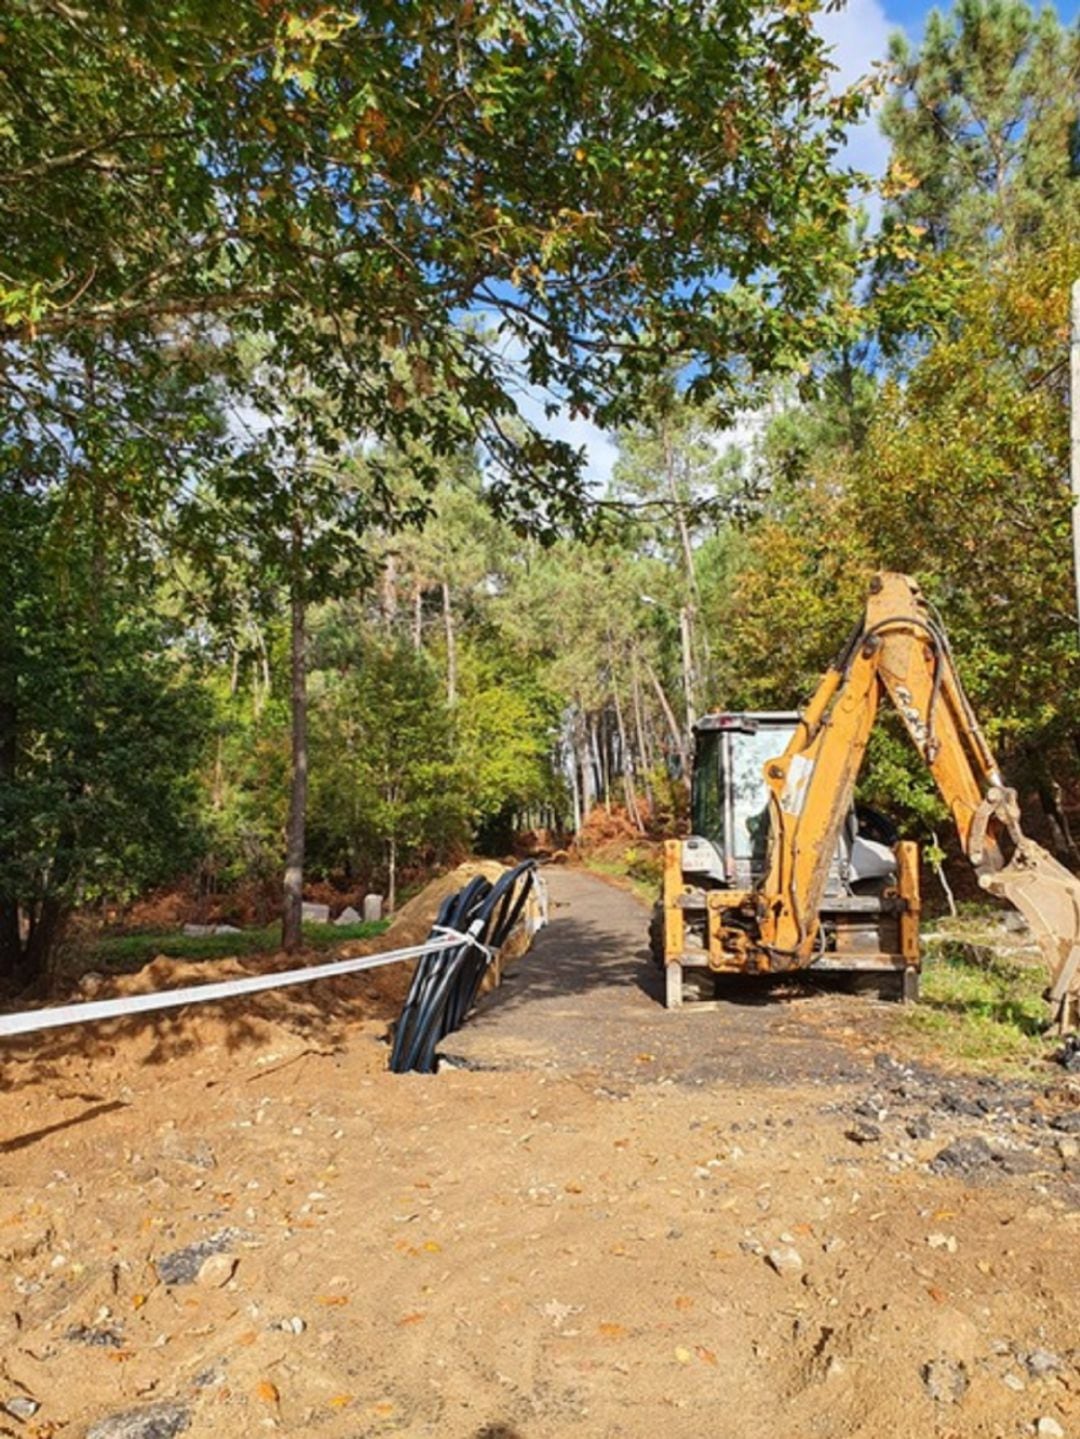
x: 1048, y: 896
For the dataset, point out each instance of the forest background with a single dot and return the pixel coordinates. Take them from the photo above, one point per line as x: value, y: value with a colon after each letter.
x: 291, y: 581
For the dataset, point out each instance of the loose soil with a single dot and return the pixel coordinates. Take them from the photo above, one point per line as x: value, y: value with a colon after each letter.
x: 599, y: 1218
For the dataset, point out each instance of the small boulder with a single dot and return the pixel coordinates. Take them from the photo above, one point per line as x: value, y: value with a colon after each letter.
x: 785, y: 1261
x: 315, y: 913
x: 348, y: 916
x: 151, y: 1421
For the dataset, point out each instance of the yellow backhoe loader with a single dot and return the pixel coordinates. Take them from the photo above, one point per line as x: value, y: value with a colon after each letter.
x: 783, y: 873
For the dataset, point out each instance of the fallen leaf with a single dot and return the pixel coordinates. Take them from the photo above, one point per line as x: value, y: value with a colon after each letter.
x: 705, y: 1355
x: 267, y: 1392
x: 682, y: 1355
x: 339, y: 1401
x: 937, y: 1295
x: 572, y: 1188
x: 683, y: 1301
x: 612, y: 1331
x: 411, y: 1318
x: 432, y: 1246
x: 330, y: 1300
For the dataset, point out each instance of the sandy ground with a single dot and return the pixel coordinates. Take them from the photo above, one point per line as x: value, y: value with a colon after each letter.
x: 603, y: 1220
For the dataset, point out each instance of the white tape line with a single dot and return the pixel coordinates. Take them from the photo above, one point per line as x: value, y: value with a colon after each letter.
x: 29, y: 1020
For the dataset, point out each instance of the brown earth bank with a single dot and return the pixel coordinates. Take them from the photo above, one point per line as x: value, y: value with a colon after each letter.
x: 598, y: 1219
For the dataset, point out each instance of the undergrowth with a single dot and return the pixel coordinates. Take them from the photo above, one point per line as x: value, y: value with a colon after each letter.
x: 981, y: 996
x: 122, y: 953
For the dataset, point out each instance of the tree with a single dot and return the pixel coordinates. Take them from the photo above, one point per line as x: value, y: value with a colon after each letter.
x: 981, y: 119
x: 99, y: 733
x: 384, y: 759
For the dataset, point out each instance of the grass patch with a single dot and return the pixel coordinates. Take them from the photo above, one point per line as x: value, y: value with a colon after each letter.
x: 126, y: 952
x: 981, y: 998
x: 641, y: 870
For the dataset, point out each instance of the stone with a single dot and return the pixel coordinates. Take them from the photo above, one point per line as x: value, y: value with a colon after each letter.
x: 373, y: 904
x: 227, y: 929
x: 1048, y: 1428
x: 945, y: 1380
x: 1068, y: 1148
x: 863, y: 1133
x: 920, y: 1127
x: 20, y: 1406
x: 348, y: 916
x: 151, y: 1421
x: 96, y: 1338
x: 942, y: 1241
x: 1041, y: 1362
x: 216, y: 1270
x: 181, y: 1266
x: 785, y: 1261
x: 315, y: 913
x: 91, y: 983
x: 198, y: 931
x: 1015, y: 1383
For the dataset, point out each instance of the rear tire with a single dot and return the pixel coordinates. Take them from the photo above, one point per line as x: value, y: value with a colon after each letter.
x: 656, y: 933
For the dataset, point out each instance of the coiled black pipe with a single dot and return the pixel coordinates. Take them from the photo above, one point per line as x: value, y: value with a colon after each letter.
x: 445, y: 985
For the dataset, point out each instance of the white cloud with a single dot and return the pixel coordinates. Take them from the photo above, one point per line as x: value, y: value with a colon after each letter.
x: 858, y: 37
x: 600, y: 448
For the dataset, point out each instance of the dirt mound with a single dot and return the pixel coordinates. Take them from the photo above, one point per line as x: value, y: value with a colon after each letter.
x: 271, y: 1026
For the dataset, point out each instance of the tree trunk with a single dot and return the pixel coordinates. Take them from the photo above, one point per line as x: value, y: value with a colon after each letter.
x: 628, y: 766
x: 10, y: 946
x: 391, y: 874
x: 418, y: 619
x: 451, y: 646
x: 643, y: 746
x: 293, y: 898
x: 575, y: 786
x: 673, y: 725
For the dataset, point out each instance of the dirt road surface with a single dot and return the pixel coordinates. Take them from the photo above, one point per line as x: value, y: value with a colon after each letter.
x: 603, y: 1220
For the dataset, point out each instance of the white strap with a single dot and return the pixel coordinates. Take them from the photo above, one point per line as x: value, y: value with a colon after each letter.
x: 466, y: 937
x: 29, y: 1020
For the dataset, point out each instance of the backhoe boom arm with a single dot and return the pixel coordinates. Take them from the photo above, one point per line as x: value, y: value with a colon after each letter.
x: 900, y: 650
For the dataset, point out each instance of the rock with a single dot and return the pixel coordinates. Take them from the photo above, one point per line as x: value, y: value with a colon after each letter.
x: 91, y: 983
x: 20, y: 1406
x: 1041, y: 1362
x: 1048, y: 1428
x: 1067, y: 1123
x: 182, y: 1266
x: 1068, y: 1056
x: 295, y: 1325
x: 963, y: 1156
x: 920, y: 1127
x: 373, y: 904
x: 945, y: 1380
x: 785, y: 1261
x: 1068, y: 1148
x: 1015, y: 922
x: 216, y: 1270
x: 96, y: 1338
x: 198, y: 931
x: 863, y: 1133
x: 348, y: 916
x: 315, y: 913
x: 152, y: 1421
x: 227, y: 929
x: 942, y: 1241
x: 1015, y: 1383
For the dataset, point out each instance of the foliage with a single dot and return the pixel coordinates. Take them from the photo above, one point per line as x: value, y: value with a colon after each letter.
x: 99, y: 733
x: 981, y: 120
x: 120, y: 953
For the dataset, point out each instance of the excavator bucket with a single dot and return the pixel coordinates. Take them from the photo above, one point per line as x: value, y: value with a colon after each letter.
x: 1048, y: 896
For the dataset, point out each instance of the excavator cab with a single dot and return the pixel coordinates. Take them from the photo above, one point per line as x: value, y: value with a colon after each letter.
x: 727, y: 854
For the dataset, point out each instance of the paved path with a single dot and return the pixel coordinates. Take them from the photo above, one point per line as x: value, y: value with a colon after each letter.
x: 588, y: 999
